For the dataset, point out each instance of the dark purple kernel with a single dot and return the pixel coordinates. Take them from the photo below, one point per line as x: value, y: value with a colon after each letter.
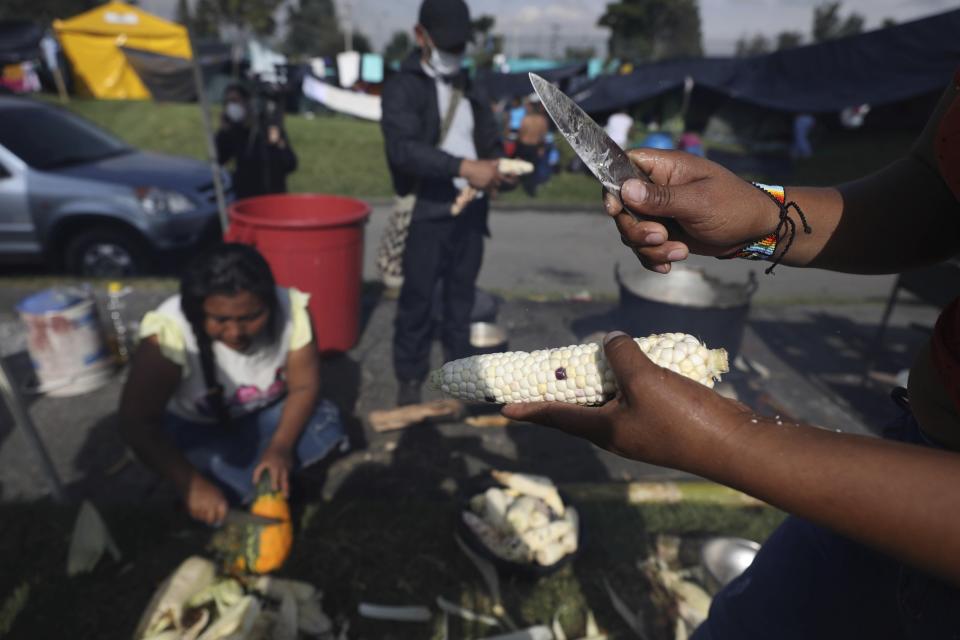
x: 561, y: 373
x: 489, y: 398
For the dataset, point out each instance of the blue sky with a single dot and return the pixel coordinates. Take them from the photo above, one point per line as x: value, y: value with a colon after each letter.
x: 538, y: 22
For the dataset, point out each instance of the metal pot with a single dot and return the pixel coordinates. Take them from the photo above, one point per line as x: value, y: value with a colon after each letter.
x: 487, y: 337
x: 685, y: 300
x: 726, y: 558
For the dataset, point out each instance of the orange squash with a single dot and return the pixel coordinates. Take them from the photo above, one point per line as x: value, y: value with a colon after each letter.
x: 264, y: 548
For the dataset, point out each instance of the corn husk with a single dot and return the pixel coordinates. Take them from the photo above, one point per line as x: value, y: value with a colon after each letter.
x: 193, y: 631
x: 311, y: 618
x: 450, y: 608
x: 276, y: 588
x: 285, y: 627
x: 691, y: 601
x: 236, y: 623
x: 489, y: 575
x: 224, y: 593
x: 556, y: 627
x: 165, y: 609
x: 593, y: 630
x: 89, y: 541
x: 539, y: 632
x: 633, y: 619
x: 262, y: 628
x: 170, y: 634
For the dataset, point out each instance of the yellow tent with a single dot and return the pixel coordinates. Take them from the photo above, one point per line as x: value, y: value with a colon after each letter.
x: 92, y: 42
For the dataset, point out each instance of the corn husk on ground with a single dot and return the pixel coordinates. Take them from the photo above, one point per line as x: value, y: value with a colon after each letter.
x: 524, y: 521
x: 195, y: 603
x: 674, y: 591
x: 577, y: 374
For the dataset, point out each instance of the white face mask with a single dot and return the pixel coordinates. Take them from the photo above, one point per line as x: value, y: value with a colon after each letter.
x: 445, y: 64
x: 235, y: 112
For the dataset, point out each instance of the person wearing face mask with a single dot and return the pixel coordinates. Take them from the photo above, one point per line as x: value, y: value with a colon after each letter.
x: 261, y: 153
x: 442, y: 144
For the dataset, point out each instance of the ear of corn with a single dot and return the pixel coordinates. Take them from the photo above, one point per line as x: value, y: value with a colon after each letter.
x: 577, y: 374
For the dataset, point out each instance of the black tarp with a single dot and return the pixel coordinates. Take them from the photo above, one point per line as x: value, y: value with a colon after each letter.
x: 499, y: 86
x: 19, y: 41
x: 878, y: 68
x: 170, y: 79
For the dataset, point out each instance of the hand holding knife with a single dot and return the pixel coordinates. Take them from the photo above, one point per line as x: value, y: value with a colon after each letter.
x: 604, y: 157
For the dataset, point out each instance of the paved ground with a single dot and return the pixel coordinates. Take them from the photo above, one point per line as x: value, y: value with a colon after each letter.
x: 801, y: 358
x: 532, y: 252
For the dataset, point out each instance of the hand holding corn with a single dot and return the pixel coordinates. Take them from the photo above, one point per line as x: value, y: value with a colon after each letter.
x: 578, y: 374
x: 657, y: 416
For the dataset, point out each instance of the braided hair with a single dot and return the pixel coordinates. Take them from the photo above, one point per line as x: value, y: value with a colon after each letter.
x: 227, y: 269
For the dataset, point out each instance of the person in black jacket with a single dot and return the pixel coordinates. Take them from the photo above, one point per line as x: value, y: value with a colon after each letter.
x: 445, y: 241
x: 262, y: 159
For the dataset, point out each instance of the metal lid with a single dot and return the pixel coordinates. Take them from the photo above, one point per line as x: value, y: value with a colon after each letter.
x: 685, y: 286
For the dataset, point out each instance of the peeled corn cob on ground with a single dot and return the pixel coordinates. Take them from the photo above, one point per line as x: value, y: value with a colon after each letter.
x: 577, y: 374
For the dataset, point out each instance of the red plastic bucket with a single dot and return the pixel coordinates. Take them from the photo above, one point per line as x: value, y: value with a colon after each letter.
x: 313, y: 242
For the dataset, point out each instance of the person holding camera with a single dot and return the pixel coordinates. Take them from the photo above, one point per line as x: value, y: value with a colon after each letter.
x: 257, y: 144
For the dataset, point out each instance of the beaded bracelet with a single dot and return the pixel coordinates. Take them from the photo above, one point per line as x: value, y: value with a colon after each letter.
x: 765, y: 248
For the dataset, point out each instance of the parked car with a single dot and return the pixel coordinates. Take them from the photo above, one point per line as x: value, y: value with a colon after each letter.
x: 82, y: 200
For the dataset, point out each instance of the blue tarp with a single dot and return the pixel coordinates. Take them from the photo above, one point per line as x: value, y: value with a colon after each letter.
x: 512, y: 85
x: 879, y: 67
x: 19, y: 41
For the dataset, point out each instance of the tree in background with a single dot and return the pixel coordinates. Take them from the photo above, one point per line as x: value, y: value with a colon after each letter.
x: 828, y: 25
x: 579, y: 53
x: 755, y: 46
x: 183, y: 14
x: 789, y: 40
x: 487, y: 45
x: 888, y: 22
x: 647, y: 30
x: 246, y: 17
x: 398, y: 47
x: 482, y: 26
x: 204, y: 21
x: 313, y: 30
x: 760, y: 44
x: 361, y: 42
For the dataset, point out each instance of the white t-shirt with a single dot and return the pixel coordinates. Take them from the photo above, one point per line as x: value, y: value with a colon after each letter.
x: 618, y: 128
x: 459, y: 139
x: 251, y: 379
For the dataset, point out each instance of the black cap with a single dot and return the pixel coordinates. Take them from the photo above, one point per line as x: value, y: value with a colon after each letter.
x: 447, y: 22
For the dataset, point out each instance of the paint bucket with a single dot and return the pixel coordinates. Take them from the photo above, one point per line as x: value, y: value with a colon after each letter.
x: 65, y: 342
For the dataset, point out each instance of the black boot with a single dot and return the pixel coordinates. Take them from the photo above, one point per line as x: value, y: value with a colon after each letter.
x: 408, y: 392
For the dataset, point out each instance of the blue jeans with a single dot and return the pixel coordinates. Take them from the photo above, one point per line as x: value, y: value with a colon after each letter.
x: 229, y: 455
x: 810, y: 583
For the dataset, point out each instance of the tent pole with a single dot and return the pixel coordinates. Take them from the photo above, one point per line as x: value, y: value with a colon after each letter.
x: 208, y: 136
x: 61, y: 86
x: 21, y: 418
x: 685, y: 106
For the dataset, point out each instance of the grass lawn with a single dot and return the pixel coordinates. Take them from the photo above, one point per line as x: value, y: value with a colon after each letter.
x: 345, y: 156
x: 369, y: 549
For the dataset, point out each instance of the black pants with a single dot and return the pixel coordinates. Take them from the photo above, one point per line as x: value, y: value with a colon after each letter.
x: 534, y: 155
x: 447, y: 251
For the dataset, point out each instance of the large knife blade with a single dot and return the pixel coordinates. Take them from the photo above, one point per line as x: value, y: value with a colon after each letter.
x: 604, y: 157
